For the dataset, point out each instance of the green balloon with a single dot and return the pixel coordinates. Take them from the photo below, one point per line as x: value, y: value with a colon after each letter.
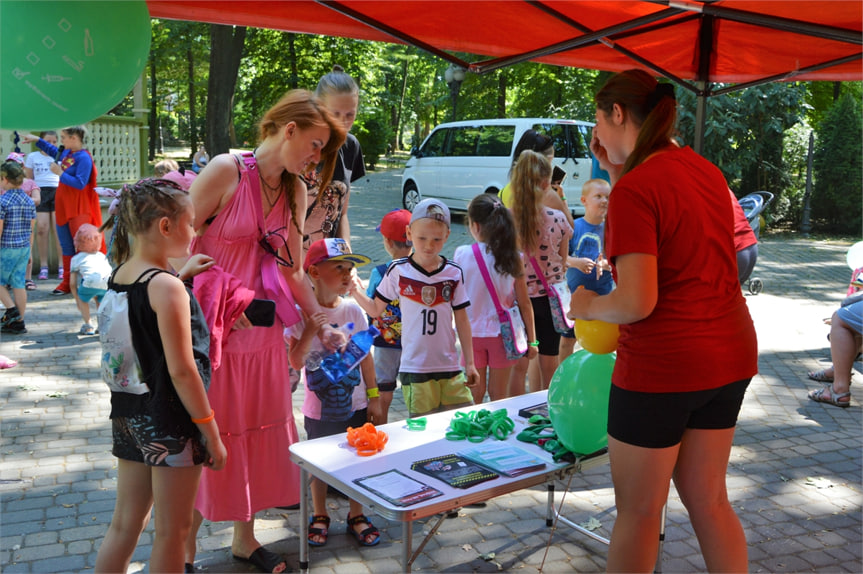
x: 578, y: 401
x: 67, y: 63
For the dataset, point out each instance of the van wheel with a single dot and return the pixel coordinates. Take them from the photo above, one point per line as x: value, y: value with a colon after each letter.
x: 411, y: 196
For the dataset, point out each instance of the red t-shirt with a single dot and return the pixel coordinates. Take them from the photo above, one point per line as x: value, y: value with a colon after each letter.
x: 699, y: 336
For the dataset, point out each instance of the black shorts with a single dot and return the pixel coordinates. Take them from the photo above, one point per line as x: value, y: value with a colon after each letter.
x: 317, y: 428
x: 549, y: 339
x: 658, y: 420
x: 46, y: 204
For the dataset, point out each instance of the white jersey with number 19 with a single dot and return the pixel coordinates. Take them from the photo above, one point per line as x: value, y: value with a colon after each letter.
x: 427, y: 301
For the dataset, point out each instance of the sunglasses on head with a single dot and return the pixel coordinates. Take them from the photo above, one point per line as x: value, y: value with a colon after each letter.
x: 272, y: 241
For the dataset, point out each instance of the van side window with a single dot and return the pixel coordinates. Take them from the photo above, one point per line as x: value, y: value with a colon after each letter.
x: 557, y: 133
x: 496, y: 141
x: 463, y: 141
x: 434, y: 146
x: 579, y: 141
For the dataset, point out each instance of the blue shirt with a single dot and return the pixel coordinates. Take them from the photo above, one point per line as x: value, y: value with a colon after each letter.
x: 390, y: 321
x: 586, y: 242
x: 17, y: 211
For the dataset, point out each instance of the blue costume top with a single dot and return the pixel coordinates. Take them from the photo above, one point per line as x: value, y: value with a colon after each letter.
x: 587, y: 242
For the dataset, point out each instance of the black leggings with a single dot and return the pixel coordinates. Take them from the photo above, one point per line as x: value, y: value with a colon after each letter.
x: 549, y: 339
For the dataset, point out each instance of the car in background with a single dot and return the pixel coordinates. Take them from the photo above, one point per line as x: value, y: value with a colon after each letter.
x: 460, y: 160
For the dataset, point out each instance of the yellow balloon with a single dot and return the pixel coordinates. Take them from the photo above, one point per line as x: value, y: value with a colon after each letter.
x: 598, y: 337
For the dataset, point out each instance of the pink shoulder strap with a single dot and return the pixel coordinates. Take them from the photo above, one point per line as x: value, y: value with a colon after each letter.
x: 483, y: 269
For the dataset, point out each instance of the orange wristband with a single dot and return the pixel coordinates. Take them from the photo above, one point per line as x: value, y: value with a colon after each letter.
x: 205, y: 420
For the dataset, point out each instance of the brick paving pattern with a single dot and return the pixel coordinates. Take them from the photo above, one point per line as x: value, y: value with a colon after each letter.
x: 794, y: 476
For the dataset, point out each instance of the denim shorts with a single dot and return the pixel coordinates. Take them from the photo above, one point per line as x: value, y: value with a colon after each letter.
x: 13, y: 266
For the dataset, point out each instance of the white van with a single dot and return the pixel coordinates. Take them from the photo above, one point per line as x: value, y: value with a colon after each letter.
x: 460, y: 160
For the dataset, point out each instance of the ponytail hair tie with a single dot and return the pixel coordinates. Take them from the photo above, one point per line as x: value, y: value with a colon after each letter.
x: 660, y: 91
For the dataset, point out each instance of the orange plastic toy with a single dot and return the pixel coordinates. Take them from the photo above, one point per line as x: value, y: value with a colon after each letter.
x: 367, y: 439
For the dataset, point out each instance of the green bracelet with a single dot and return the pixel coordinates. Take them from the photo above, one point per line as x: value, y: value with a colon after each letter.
x: 534, y: 343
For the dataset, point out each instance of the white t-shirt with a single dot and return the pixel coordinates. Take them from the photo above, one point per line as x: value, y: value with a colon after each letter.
x: 346, y: 312
x: 94, y: 268
x: 427, y: 301
x: 41, y: 166
x: 482, y: 312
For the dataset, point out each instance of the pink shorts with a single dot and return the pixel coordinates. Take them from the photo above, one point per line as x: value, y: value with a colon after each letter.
x: 489, y: 352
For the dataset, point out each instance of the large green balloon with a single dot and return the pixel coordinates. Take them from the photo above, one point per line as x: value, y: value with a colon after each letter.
x: 67, y: 63
x: 578, y: 401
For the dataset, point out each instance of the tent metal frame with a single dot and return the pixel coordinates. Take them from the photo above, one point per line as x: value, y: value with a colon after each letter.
x: 678, y: 11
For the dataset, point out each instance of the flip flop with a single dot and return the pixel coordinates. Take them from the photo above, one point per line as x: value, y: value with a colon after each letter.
x: 264, y: 560
x: 7, y: 363
x: 30, y: 285
x: 820, y: 376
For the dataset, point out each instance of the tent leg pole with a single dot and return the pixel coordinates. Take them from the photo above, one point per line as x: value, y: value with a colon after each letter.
x: 700, y: 117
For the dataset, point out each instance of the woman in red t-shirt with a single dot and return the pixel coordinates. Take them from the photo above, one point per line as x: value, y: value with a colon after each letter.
x: 687, y: 347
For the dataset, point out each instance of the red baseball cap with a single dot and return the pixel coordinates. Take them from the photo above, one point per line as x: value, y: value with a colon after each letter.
x: 394, y: 225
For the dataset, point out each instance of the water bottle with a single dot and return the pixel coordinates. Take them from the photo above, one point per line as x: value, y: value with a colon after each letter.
x: 316, y: 357
x: 340, y: 363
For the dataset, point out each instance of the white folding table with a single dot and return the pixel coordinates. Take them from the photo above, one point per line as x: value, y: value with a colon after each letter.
x: 333, y: 461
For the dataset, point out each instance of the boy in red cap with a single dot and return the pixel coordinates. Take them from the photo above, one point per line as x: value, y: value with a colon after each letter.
x: 388, y: 345
x: 330, y: 407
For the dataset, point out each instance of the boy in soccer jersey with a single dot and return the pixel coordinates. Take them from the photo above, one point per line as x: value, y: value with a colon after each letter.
x: 431, y: 292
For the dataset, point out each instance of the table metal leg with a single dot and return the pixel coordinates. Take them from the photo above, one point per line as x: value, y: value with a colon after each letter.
x: 549, y: 511
x: 407, y: 544
x: 305, y: 478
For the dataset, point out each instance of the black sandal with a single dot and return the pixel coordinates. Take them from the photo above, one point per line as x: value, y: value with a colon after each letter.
x: 361, y: 536
x: 323, y: 532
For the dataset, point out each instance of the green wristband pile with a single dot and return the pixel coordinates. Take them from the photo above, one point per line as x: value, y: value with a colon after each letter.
x: 476, y: 426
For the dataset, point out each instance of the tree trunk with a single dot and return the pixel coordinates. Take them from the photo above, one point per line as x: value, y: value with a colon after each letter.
x: 154, y: 129
x: 501, y: 94
x: 226, y: 50
x: 398, y: 127
x: 294, y: 81
x: 193, y: 131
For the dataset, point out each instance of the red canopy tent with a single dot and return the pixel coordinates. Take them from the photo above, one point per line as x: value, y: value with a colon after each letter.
x: 695, y: 44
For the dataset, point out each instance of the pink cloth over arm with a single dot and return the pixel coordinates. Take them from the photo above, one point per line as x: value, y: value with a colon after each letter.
x: 223, y: 298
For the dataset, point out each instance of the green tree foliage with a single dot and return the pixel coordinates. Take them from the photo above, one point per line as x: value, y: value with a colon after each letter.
x: 744, y: 136
x: 838, y: 166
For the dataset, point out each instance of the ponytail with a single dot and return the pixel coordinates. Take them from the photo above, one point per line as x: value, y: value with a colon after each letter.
x: 650, y: 104
x: 497, y: 231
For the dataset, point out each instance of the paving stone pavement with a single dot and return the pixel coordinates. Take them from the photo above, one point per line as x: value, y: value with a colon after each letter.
x: 794, y: 475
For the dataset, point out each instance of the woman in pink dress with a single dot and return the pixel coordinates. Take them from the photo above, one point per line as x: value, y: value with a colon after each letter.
x: 240, y: 200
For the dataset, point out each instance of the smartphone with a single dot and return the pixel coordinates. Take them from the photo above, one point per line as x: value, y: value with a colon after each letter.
x: 261, y: 312
x: 557, y: 176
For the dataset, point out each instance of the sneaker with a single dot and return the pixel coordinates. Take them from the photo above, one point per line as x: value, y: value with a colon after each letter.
x: 87, y: 329
x: 43, y: 274
x: 9, y: 316
x: 60, y: 291
x: 16, y: 327
x: 60, y: 273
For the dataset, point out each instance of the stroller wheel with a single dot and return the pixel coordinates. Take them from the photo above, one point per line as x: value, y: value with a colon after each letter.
x: 755, y: 286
